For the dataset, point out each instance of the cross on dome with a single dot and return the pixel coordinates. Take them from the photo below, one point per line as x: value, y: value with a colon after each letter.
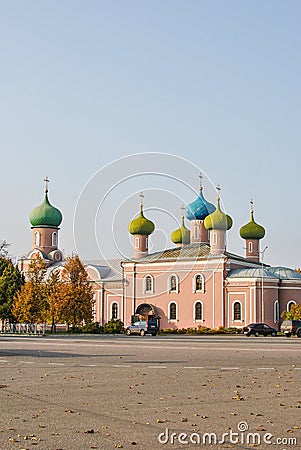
x: 182, y: 209
x: 201, y: 180
x: 251, y: 205
x: 141, y: 200
x: 46, y: 184
x: 218, y: 188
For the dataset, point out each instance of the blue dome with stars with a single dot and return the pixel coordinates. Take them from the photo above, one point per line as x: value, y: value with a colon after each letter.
x: 200, y: 208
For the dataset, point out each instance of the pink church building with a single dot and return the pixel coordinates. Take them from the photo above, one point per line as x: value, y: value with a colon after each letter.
x: 196, y: 282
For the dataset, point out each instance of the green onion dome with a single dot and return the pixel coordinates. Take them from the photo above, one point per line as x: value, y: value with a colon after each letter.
x: 45, y: 215
x: 218, y: 220
x: 141, y: 225
x: 181, y: 235
x: 252, y: 230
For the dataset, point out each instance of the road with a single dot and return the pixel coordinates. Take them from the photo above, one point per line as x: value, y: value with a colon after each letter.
x: 106, y: 392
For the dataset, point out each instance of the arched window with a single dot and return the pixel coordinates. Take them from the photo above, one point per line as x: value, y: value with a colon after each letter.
x: 137, y: 242
x: 148, y: 284
x: 250, y: 247
x: 54, y: 239
x: 199, y: 283
x: 276, y: 311
x: 37, y: 238
x: 290, y: 304
x: 236, y: 311
x: 173, y: 283
x: 196, y: 232
x: 58, y: 256
x: 198, y: 311
x: 214, y: 239
x: 114, y: 310
x: 172, y: 313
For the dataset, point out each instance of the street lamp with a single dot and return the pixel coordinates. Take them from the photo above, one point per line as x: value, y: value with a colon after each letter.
x: 262, y: 304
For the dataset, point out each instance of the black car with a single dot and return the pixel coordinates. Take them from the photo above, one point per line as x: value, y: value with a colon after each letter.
x: 259, y: 328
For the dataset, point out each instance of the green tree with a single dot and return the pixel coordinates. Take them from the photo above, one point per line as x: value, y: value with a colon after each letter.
x: 31, y: 303
x: 293, y: 314
x: 11, y: 281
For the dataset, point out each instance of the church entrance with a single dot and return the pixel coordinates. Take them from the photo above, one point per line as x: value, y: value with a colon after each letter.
x: 146, y: 312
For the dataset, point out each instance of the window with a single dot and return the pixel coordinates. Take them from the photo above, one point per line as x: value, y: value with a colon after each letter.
x: 172, y: 314
x: 196, y: 232
x: 173, y: 283
x: 54, y: 239
x: 198, y: 311
x: 137, y: 242
x: 276, y: 311
x: 114, y: 312
x: 58, y: 256
x: 199, y: 283
x: 250, y: 247
x: 290, y: 304
x: 214, y: 239
x: 148, y: 284
x: 237, y: 311
x: 37, y: 238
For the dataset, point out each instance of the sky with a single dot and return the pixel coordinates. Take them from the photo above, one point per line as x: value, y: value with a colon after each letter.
x: 85, y: 85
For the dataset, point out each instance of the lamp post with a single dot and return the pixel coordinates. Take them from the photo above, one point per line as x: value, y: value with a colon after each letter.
x: 262, y: 303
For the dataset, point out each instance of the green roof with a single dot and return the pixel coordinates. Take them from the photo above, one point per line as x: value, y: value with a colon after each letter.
x: 181, y: 235
x: 252, y: 230
x: 141, y: 225
x: 218, y: 220
x: 45, y: 215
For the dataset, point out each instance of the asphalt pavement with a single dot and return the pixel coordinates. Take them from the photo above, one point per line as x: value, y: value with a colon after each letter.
x: 106, y: 392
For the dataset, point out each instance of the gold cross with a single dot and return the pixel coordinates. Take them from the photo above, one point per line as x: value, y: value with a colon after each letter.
x: 141, y: 199
x: 251, y: 204
x: 201, y: 180
x: 46, y: 184
x: 182, y: 209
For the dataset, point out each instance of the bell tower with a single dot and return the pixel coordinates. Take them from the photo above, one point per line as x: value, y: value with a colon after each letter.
x: 45, y: 220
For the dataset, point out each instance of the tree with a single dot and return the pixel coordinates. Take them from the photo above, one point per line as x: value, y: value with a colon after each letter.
x: 74, y: 299
x: 293, y: 314
x: 30, y: 304
x: 54, y: 287
x: 11, y: 281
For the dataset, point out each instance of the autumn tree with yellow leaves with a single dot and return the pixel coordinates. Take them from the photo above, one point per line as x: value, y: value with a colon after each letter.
x: 293, y: 314
x: 65, y: 296
x: 76, y: 299
x: 30, y: 304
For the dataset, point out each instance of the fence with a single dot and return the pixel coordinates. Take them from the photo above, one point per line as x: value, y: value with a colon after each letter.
x: 23, y: 328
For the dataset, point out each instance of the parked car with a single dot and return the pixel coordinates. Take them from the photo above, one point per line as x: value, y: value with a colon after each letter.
x: 259, y: 328
x: 289, y: 327
x: 143, y: 327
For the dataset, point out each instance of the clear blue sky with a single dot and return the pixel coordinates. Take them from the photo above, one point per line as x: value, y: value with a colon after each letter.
x: 216, y: 82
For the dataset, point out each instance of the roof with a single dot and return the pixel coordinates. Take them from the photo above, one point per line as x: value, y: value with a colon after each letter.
x: 193, y: 251
x: 109, y: 270
x: 285, y: 273
x: 190, y: 251
x: 280, y: 273
x: 251, y: 272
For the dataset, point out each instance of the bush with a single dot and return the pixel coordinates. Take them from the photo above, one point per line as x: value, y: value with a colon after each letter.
x: 114, y: 326
x: 200, y: 330
x: 76, y: 329
x: 92, y: 328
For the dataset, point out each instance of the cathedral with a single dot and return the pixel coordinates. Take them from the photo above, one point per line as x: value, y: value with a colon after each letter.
x: 196, y: 282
